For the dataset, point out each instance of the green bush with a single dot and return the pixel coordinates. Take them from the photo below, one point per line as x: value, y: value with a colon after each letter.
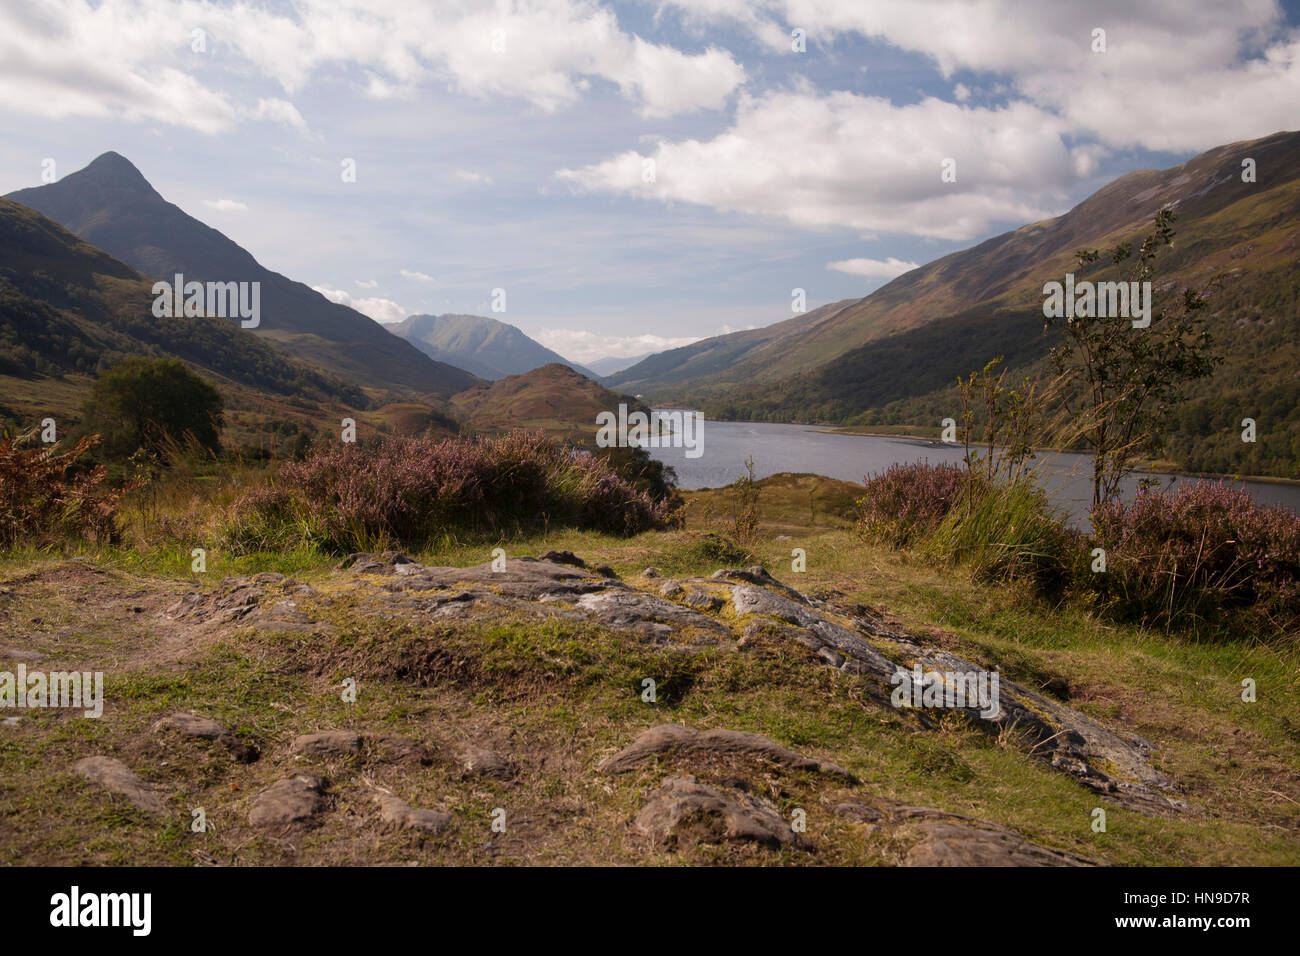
x: 154, y: 404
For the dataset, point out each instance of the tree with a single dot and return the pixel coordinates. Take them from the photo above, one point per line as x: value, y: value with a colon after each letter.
x: 153, y: 404
x: 1131, y: 377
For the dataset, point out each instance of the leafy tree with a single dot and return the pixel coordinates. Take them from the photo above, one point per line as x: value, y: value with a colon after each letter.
x: 153, y: 404
x: 1132, y: 377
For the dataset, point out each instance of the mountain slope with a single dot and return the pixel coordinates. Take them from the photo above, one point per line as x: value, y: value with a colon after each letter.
x: 69, y: 310
x: 479, y: 345
x: 110, y: 204
x: 664, y: 374
x: 1001, y: 276
x: 612, y: 364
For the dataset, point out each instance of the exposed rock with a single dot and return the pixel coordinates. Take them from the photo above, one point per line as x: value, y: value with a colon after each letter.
x: 394, y: 811
x: 858, y: 813
x: 113, y: 774
x: 295, y: 799
x: 247, y: 601
x: 485, y: 763
x: 703, y: 601
x: 390, y: 748
x: 687, y: 615
x: 674, y: 739
x: 562, y: 557
x: 190, y: 724
x: 365, y: 563
x: 683, y: 809
x: 327, y: 744
x: 650, y: 573
x: 659, y: 621
x: 959, y: 844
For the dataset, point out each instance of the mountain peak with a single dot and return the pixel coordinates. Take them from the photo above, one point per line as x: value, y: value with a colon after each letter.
x: 114, y: 169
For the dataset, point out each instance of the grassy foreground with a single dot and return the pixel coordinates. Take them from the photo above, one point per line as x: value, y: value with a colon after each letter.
x: 557, y: 697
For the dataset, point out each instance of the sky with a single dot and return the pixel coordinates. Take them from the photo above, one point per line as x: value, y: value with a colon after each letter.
x: 632, y: 175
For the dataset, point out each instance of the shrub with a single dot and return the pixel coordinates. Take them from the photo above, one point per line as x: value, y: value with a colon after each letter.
x: 408, y: 492
x: 1188, y: 557
x: 154, y: 404
x: 43, y: 499
x: 1007, y: 531
x: 907, y: 502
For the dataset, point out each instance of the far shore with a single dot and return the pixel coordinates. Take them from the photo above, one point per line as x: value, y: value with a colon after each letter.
x: 912, y: 433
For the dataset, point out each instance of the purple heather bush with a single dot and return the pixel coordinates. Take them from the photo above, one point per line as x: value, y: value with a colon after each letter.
x: 1207, y: 549
x: 409, y: 492
x: 907, y: 502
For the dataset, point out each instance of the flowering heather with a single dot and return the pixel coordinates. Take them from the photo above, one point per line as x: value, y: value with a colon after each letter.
x: 409, y: 491
x: 1178, y: 558
x: 909, y: 501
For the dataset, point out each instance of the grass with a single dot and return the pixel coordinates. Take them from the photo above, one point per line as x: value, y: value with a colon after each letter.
x: 561, y: 695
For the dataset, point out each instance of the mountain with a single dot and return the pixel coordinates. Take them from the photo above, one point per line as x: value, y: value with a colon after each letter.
x: 483, y: 346
x: 893, y: 356
x: 69, y: 310
x: 111, y: 205
x: 666, y: 374
x: 553, y: 398
x: 608, y: 366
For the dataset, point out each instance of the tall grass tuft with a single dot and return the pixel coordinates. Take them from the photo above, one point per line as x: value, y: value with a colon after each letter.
x: 1007, y: 532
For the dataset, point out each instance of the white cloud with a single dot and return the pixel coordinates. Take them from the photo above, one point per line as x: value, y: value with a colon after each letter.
x: 859, y: 161
x: 578, y: 345
x: 134, y: 60
x: 1176, y: 74
x: 381, y: 310
x: 337, y: 296
x: 368, y: 283
x: 478, y: 179
x: 890, y: 268
x: 280, y: 111
x: 416, y: 276
x: 225, y: 205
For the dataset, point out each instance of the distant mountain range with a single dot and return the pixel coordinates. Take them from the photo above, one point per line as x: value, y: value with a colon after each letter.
x: 485, y: 347
x: 111, y: 205
x: 892, y: 357
x: 608, y: 366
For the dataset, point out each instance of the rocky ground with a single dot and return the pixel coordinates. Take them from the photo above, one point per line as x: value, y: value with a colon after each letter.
x: 392, y: 712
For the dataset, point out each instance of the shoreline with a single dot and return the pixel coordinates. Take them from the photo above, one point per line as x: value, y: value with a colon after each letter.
x: 1148, y: 468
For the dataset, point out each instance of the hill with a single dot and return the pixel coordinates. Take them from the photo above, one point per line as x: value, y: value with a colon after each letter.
x: 69, y: 310
x: 891, y: 357
x: 110, y: 204
x: 484, y: 347
x: 553, y: 398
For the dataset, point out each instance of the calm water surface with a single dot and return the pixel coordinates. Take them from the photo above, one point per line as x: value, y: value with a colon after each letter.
x: 1067, y: 478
